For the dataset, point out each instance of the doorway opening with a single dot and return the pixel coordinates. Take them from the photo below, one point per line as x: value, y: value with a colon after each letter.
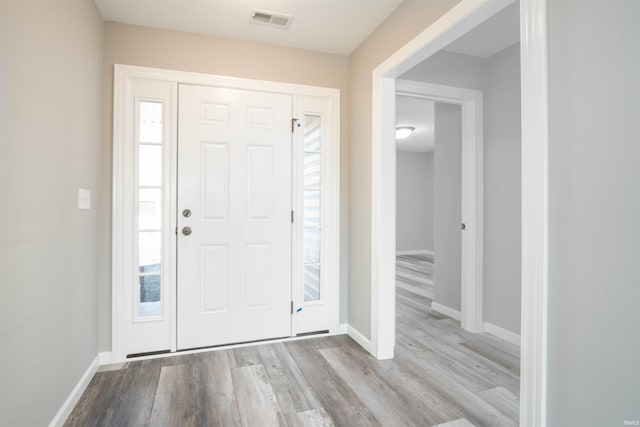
x: 456, y: 204
x: 461, y: 19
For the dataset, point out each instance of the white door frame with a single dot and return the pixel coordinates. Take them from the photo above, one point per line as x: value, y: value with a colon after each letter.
x: 123, y: 219
x: 470, y: 102
x: 463, y: 17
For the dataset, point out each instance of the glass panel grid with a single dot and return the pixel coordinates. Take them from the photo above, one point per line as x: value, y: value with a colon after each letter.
x: 312, y: 171
x: 312, y: 133
x: 311, y: 245
x: 149, y: 208
x: 312, y: 186
x: 312, y: 282
x: 150, y: 122
x: 149, y: 249
x: 150, y: 295
x: 311, y: 208
x: 150, y: 165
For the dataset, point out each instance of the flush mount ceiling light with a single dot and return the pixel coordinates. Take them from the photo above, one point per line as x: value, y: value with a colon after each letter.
x: 272, y: 19
x: 403, y: 132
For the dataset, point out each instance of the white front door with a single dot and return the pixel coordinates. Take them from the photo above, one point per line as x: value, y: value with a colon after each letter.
x: 234, y: 216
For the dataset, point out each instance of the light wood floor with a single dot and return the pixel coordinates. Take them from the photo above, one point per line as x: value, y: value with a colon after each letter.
x: 414, y: 273
x: 441, y: 375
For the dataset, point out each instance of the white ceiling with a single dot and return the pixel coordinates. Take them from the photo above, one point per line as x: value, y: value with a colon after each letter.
x: 495, y: 34
x: 418, y: 113
x: 332, y: 26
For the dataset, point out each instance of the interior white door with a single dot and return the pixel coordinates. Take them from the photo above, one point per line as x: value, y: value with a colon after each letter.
x: 234, y: 216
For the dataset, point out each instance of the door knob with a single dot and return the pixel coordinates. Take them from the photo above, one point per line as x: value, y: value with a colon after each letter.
x: 186, y: 213
x: 186, y: 231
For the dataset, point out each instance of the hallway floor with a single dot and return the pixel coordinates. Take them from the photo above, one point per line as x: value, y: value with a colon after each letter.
x: 441, y: 375
x: 414, y: 273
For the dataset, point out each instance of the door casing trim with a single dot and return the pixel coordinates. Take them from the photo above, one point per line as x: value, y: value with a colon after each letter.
x: 122, y: 222
x: 472, y: 197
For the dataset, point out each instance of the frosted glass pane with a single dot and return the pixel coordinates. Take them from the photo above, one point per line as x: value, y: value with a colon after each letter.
x: 311, y: 282
x: 311, y: 245
x: 149, y: 251
x: 150, y: 295
x: 312, y: 171
x: 150, y: 165
x: 312, y: 133
x: 151, y: 122
x: 149, y: 209
x: 312, y: 208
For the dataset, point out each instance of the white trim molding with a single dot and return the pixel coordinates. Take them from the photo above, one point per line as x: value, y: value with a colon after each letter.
x: 501, y: 333
x: 383, y: 217
x: 358, y: 337
x: 70, y: 402
x: 472, y: 181
x: 447, y: 311
x: 105, y: 358
x: 343, y: 328
x: 490, y: 328
x: 535, y: 217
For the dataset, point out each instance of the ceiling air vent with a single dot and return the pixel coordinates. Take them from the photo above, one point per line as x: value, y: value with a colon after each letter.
x: 272, y: 19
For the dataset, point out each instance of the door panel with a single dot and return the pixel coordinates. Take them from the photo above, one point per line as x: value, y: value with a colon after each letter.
x: 234, y: 175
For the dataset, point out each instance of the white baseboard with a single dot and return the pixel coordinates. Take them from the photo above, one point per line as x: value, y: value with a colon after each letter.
x: 415, y: 252
x: 447, y: 311
x: 65, y: 410
x: 105, y: 358
x: 343, y: 328
x: 359, y: 338
x: 487, y: 327
x: 499, y: 332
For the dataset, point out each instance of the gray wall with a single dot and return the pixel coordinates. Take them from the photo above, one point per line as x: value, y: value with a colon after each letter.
x: 407, y: 21
x: 414, y: 201
x: 450, y: 69
x: 498, y: 77
x: 593, y: 373
x: 447, y: 200
x: 502, y: 190
x: 51, y: 82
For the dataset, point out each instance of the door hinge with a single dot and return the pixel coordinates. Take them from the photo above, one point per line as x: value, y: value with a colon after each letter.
x: 291, y: 307
x: 291, y: 217
x: 293, y: 124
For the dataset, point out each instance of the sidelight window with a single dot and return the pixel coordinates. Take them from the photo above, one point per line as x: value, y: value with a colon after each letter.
x: 312, y: 157
x: 150, y: 172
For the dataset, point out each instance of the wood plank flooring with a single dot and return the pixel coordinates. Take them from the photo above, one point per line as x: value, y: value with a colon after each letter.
x: 441, y: 376
x: 414, y: 273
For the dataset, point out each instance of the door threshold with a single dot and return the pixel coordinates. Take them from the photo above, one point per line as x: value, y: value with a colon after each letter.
x: 306, y: 334
x: 148, y: 353
x: 230, y: 345
x: 149, y: 356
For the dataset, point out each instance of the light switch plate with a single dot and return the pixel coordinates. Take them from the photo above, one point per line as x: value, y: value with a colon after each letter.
x: 84, y: 199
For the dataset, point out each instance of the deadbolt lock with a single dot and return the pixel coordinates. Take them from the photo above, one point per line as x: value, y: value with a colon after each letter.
x: 186, y: 213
